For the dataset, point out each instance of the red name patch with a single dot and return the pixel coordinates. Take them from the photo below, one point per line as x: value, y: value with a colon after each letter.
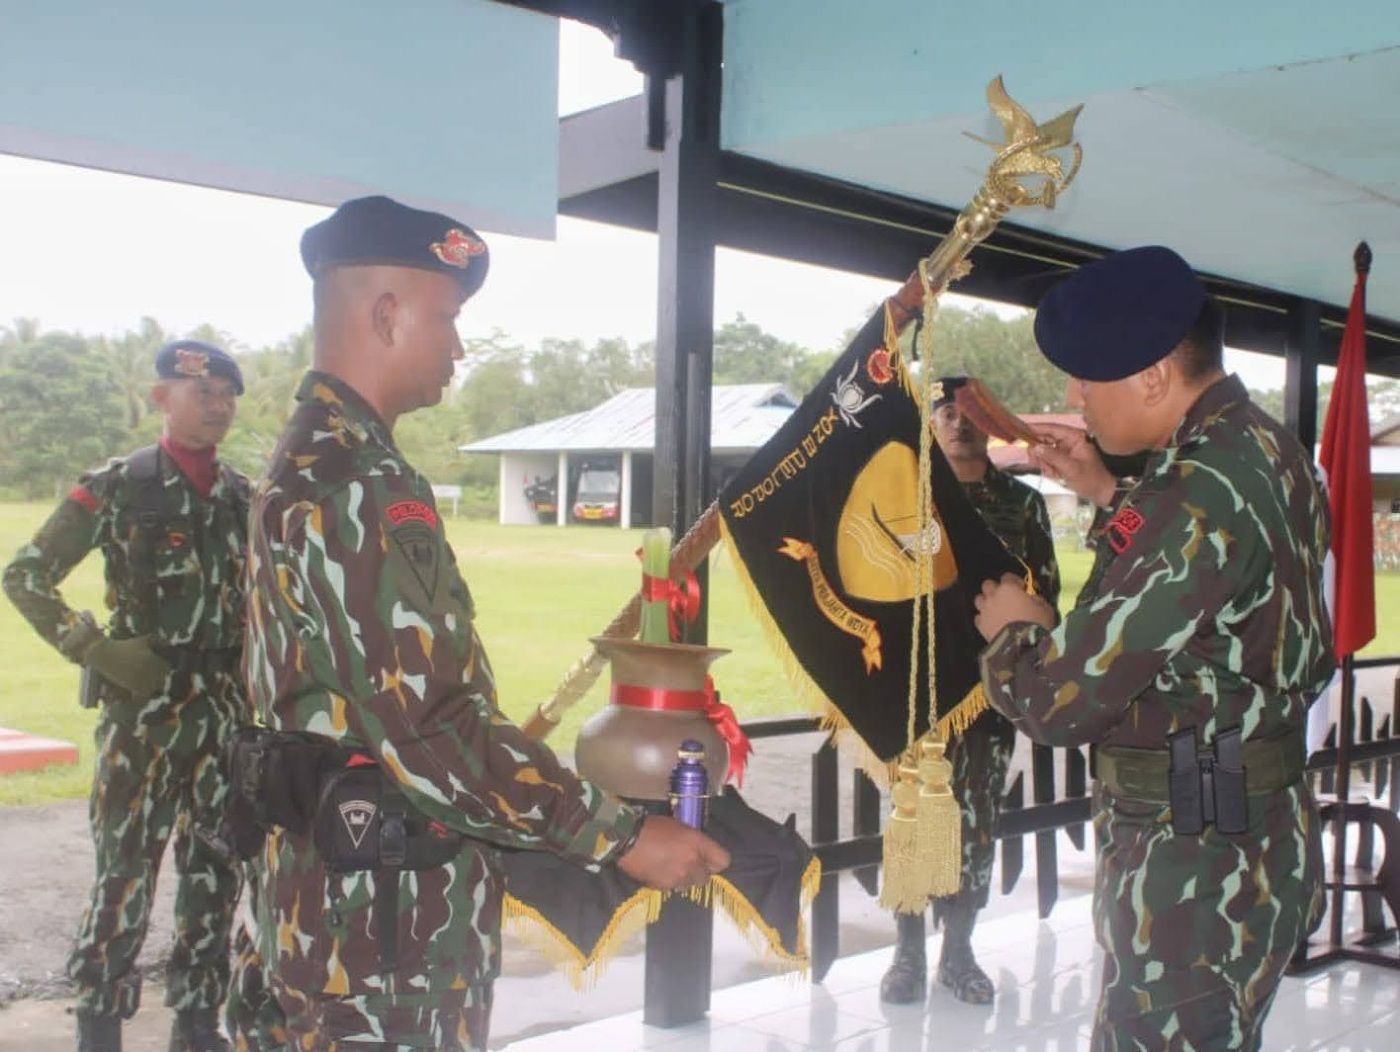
x: 411, y: 511
x: 1121, y: 527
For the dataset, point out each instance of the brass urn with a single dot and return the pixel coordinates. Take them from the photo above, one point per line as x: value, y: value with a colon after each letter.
x: 658, y: 700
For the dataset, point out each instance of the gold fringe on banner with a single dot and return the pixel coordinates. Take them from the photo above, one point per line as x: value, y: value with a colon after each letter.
x: 762, y: 936
x: 582, y: 971
x: 643, y: 908
x: 960, y: 718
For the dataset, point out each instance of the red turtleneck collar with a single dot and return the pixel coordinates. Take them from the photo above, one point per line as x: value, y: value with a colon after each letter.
x: 197, y: 465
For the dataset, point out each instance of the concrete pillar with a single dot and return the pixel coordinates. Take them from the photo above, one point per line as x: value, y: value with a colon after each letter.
x: 561, y: 490
x: 501, y: 489
x: 625, y: 512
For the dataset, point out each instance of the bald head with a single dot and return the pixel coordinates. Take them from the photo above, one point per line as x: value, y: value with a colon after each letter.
x: 390, y: 332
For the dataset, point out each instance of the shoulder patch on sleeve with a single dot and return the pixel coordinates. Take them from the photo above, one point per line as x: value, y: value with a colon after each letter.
x: 83, y: 496
x: 419, y: 549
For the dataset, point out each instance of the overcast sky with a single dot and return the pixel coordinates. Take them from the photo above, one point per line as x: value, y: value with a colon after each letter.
x: 93, y: 252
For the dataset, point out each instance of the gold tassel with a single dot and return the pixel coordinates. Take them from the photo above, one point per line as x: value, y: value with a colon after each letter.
x: 939, y: 822
x: 901, y: 884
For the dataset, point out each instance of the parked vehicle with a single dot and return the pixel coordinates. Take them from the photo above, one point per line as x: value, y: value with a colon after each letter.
x: 542, y: 497
x: 598, y: 497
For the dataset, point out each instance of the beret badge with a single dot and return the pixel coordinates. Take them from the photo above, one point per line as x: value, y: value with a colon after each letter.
x: 457, y: 248
x: 191, y: 363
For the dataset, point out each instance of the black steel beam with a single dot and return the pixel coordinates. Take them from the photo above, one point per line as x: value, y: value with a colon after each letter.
x: 1013, y: 850
x: 826, y: 907
x: 865, y: 821
x: 685, y: 204
x: 677, y: 973
x: 1047, y: 868
x: 790, y: 214
x: 1301, y: 353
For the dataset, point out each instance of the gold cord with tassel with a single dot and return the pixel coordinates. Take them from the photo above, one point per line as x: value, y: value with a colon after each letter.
x: 939, y: 856
x: 922, y: 849
x: 901, y: 884
x: 939, y: 822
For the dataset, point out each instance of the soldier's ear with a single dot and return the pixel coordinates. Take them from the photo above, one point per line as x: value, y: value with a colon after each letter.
x: 160, y: 394
x: 384, y: 317
x: 1155, y: 382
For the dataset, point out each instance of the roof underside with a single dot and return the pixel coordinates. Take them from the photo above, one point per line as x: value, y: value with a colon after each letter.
x: 1257, y: 138
x: 316, y: 101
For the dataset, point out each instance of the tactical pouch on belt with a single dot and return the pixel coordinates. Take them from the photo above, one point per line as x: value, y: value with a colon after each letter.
x: 1205, y: 789
x: 274, y: 780
x: 363, y: 822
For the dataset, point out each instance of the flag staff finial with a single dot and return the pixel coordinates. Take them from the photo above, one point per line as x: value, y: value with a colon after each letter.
x: 1362, y: 257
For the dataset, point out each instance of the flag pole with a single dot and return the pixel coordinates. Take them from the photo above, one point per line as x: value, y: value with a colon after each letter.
x: 1028, y: 152
x: 1361, y: 259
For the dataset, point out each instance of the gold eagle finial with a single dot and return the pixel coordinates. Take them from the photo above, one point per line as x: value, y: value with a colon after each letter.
x: 1026, y: 151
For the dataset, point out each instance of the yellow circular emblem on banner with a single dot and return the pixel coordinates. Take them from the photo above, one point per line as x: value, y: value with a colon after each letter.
x: 878, y: 537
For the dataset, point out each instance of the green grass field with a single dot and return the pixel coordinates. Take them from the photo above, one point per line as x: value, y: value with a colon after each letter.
x: 540, y: 591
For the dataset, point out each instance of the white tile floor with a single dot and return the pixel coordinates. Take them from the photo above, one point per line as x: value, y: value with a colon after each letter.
x: 1046, y: 977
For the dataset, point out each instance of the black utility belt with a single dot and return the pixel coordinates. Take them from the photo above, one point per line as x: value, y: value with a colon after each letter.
x: 356, y: 816
x: 1202, y: 788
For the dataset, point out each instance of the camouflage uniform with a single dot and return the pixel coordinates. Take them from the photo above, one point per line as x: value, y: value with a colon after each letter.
x: 361, y: 630
x: 254, y: 1019
x: 980, y: 757
x: 157, y: 759
x: 1204, y: 609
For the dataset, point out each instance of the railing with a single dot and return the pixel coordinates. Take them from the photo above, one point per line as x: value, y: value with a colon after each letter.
x: 1055, y: 804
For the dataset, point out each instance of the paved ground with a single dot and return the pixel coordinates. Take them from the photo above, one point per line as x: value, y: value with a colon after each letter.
x: 45, y: 879
x: 47, y: 868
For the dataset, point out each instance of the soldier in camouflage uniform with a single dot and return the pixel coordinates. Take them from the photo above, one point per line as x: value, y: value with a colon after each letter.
x: 171, y: 523
x: 981, y: 755
x: 1202, y: 621
x: 361, y: 633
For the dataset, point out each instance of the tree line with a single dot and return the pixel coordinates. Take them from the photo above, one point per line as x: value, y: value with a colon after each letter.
x: 69, y: 401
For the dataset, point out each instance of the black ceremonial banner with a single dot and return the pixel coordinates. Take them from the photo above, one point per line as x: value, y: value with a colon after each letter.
x: 823, y: 520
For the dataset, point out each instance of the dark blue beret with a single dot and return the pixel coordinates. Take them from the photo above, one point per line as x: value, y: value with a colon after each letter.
x: 945, y: 389
x: 378, y: 231
x: 189, y: 359
x: 1118, y: 315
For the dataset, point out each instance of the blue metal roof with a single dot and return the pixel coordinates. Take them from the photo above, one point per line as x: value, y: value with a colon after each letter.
x: 742, y: 418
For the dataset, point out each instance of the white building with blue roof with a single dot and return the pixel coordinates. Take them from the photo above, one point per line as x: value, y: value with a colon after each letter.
x: 605, y: 453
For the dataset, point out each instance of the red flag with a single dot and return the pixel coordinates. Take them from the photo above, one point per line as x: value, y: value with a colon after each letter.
x: 1346, y: 457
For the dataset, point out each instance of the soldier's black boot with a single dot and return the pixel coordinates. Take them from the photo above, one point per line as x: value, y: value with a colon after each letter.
x: 904, y: 983
x: 957, y: 968
x: 197, y: 1030
x: 99, y: 1033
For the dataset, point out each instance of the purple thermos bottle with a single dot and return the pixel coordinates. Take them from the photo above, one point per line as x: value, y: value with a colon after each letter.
x: 690, y: 785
